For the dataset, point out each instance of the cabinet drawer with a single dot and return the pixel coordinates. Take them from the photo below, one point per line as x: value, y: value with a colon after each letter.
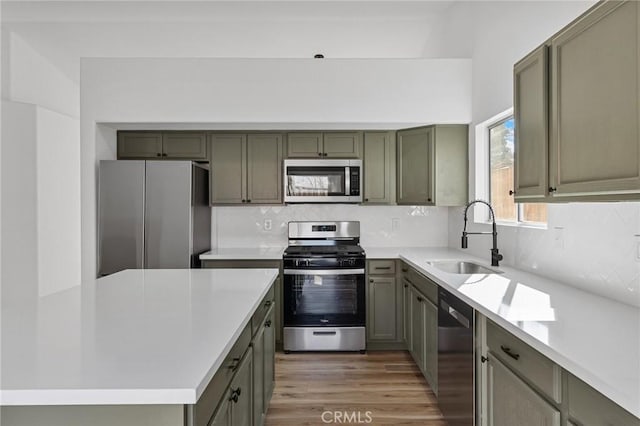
x: 382, y: 267
x: 531, y: 365
x: 263, y: 309
x: 589, y: 407
x: 422, y: 283
x: 204, y: 408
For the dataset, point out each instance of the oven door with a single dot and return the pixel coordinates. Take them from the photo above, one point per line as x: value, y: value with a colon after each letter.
x: 324, y: 298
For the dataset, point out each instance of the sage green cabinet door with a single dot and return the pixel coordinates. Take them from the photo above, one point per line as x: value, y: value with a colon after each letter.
x: 379, y: 168
x: 228, y: 168
x: 341, y: 144
x: 418, y: 328
x: 381, y: 318
x: 222, y: 417
x: 185, y: 145
x: 512, y: 402
x: 269, y: 357
x: 258, y: 377
x: 415, y: 166
x: 431, y: 344
x: 450, y: 165
x: 530, y: 110
x: 304, y: 145
x: 139, y: 145
x: 595, y: 138
x: 406, y: 306
x: 589, y: 407
x: 241, y: 386
x: 264, y: 168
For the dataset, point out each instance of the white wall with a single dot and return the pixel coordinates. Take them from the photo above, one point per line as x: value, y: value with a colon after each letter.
x: 41, y: 174
x: 259, y: 93
x: 590, y: 246
x: 416, y: 226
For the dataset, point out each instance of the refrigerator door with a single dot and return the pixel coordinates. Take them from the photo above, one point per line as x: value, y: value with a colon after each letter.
x: 168, y: 214
x: 201, y: 232
x: 120, y: 216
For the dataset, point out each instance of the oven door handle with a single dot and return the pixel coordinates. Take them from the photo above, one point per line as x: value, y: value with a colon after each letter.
x: 323, y: 271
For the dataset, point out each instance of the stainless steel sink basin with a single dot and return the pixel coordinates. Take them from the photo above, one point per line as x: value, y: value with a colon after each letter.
x: 462, y: 267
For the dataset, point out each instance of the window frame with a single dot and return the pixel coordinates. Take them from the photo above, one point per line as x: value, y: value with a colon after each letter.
x: 483, y: 175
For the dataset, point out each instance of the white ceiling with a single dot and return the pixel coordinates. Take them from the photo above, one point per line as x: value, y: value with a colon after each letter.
x: 65, y: 31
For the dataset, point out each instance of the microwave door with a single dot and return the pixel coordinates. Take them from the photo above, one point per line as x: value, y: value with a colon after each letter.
x: 316, y: 181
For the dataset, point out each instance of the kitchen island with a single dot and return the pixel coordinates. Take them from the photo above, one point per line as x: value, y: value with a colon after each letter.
x: 136, y: 347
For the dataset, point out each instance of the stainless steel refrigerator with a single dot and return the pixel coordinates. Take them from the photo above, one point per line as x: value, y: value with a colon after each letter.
x: 152, y: 214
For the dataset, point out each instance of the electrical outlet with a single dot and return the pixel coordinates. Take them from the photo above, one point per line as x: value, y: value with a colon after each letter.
x: 395, y: 224
x: 558, y: 237
x: 267, y: 225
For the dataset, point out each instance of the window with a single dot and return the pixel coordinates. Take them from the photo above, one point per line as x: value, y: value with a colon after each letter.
x: 501, y: 146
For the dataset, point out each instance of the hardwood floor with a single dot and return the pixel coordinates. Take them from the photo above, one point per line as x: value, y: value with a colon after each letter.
x: 384, y: 387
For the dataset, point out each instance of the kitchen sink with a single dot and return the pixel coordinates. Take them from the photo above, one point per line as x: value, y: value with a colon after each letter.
x: 462, y: 267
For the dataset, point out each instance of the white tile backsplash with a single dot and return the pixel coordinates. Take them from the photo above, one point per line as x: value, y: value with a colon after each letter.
x: 415, y: 226
x: 593, y: 246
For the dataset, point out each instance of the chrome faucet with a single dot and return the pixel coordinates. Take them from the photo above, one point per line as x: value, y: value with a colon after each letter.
x: 495, y: 254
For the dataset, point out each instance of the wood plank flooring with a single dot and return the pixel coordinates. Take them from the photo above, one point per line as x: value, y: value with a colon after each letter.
x: 385, y: 387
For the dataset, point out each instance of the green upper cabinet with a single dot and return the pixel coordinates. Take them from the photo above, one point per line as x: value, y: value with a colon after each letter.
x: 264, y: 168
x: 139, y: 145
x: 324, y: 144
x: 432, y: 165
x: 185, y: 145
x: 228, y: 168
x: 587, y: 78
x: 342, y: 144
x: 246, y: 168
x: 162, y: 145
x: 304, y: 145
x: 532, y: 130
x: 379, y: 168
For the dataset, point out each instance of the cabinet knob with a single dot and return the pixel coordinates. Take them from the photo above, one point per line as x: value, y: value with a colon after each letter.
x: 267, y: 303
x: 234, y: 364
x: 419, y: 299
x: 512, y: 192
x: 429, y: 199
x: 406, y: 285
x: 319, y: 154
x: 267, y: 323
x: 370, y: 280
x: 164, y: 154
x: 552, y: 189
x: 325, y: 154
x: 244, y: 201
x: 404, y: 269
x: 158, y: 155
x: 248, y: 201
x: 366, y: 199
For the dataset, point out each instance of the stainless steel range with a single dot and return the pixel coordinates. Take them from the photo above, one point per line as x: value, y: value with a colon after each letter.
x: 324, y: 287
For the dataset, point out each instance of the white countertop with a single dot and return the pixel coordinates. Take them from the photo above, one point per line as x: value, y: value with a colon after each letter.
x: 135, y: 337
x: 244, y: 253
x: 595, y: 338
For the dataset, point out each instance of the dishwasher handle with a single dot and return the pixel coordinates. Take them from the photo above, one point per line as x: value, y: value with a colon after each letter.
x: 455, y: 314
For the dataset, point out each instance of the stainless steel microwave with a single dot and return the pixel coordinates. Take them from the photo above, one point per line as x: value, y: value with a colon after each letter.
x: 322, y: 181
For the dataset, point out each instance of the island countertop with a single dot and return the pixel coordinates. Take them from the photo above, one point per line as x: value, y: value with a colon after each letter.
x: 134, y: 337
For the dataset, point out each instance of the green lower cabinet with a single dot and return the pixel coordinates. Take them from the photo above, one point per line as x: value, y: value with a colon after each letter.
x: 417, y: 328
x: 264, y: 349
x: 511, y: 401
x: 382, y: 308
x: 236, y: 407
x: 431, y: 344
x: 406, y: 324
x: 269, y: 358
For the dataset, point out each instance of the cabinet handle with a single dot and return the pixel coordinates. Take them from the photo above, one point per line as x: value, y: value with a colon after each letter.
x: 512, y: 192
x: 267, y: 303
x: 370, y: 280
x: 267, y: 323
x: 420, y: 299
x: 507, y: 350
x: 234, y: 365
x: 235, y: 393
x: 483, y: 359
x: 552, y: 189
x: 404, y: 269
x: 385, y: 268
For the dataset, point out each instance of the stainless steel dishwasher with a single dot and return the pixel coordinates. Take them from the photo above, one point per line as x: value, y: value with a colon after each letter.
x: 456, y: 396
